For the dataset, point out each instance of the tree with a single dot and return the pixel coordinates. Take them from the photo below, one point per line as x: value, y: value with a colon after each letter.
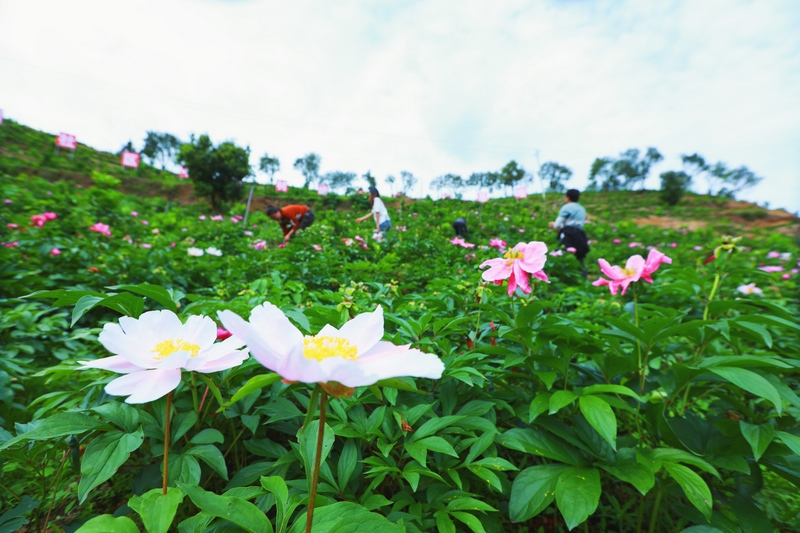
x: 338, y: 180
x: 607, y: 174
x: 269, y: 165
x: 738, y: 179
x: 160, y: 146
x: 489, y: 180
x: 673, y: 186
x: 695, y: 165
x: 448, y: 181
x: 128, y: 147
x: 409, y: 180
x: 511, y: 174
x: 721, y: 180
x: 308, y: 166
x: 555, y: 175
x: 390, y: 180
x: 217, y: 172
x: 371, y: 181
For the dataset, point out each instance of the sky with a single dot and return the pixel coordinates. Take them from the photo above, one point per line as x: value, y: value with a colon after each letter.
x: 429, y: 87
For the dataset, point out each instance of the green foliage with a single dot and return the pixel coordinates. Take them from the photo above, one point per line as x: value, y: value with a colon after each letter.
x: 673, y: 186
x: 555, y: 176
x: 672, y: 406
x: 105, y: 180
x: 216, y: 171
x: 308, y: 166
x: 607, y: 174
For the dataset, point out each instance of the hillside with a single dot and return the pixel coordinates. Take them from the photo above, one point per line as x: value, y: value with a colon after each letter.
x: 24, y: 150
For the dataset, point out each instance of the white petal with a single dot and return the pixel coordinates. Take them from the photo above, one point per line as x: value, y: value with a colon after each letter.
x: 275, y: 329
x: 230, y: 360
x: 263, y: 340
x: 298, y: 368
x: 164, y: 324
x: 389, y: 361
x: 145, y: 386
x: 118, y: 342
x: 365, y: 330
x: 200, y: 330
x: 115, y: 363
x: 216, y: 351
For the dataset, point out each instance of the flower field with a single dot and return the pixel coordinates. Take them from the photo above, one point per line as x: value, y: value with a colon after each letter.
x: 168, y: 368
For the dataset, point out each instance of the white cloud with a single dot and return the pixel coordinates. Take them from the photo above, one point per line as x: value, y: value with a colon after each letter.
x: 430, y: 87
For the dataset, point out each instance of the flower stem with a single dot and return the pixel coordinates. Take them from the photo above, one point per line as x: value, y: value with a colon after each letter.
x: 711, y: 296
x: 166, y: 444
x: 312, y: 497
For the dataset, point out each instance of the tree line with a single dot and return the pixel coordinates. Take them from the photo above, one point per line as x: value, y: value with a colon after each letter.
x: 218, y: 172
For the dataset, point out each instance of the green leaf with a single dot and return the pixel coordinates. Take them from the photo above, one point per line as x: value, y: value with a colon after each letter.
x: 210, y: 455
x: 496, y: 463
x: 211, y: 387
x: 433, y: 425
x: 103, y: 456
x: 540, y: 404
x: 609, y: 389
x: 14, y: 519
x: 417, y: 451
x: 106, y: 523
x: 637, y: 475
x: 308, y: 446
x: 693, y: 486
x: 403, y: 384
x: 792, y: 441
x: 533, y: 490
x: 347, y: 463
x: 154, y: 292
x: 125, y: 416
x: 253, y: 384
x: 561, y: 399
x: 468, y: 504
x: 577, y: 494
x: 751, y: 382
x: 234, y: 510
x: 156, y: 509
x: 277, y: 486
x: 208, y: 436
x: 83, y: 306
x: 438, y: 444
x: 601, y: 417
x: 758, y: 436
x: 680, y: 456
x: 471, y: 521
x: 346, y: 517
x: 444, y: 524
x: 58, y: 425
x: 537, y: 443
x: 486, y: 475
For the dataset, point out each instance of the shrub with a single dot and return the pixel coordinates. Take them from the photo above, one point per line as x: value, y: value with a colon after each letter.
x: 106, y: 181
x: 673, y: 186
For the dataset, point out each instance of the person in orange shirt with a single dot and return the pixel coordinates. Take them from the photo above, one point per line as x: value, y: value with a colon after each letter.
x: 291, y: 218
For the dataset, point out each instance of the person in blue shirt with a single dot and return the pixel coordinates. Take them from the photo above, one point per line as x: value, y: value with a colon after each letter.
x: 569, y: 223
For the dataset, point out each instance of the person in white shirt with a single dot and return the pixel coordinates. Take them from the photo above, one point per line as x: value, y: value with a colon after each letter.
x: 379, y: 212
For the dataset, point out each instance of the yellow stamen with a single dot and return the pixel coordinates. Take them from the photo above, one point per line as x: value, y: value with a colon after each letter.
x: 628, y: 272
x: 170, y: 346
x: 512, y: 255
x: 320, y: 348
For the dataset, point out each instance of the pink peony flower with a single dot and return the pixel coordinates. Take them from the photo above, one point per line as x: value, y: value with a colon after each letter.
x: 38, y: 220
x: 172, y: 245
x: 317, y: 247
x: 146, y: 223
x: 635, y: 269
x: 248, y: 233
x: 571, y: 249
x: 134, y: 214
x: 673, y: 245
x: 521, y: 230
x: 146, y: 245
x: 617, y: 241
x: 500, y: 244
x: 517, y: 265
x: 556, y: 253
x: 49, y: 216
x: 222, y: 333
x: 786, y: 276
x: 12, y: 226
x: 651, y: 264
x: 202, y: 217
x: 771, y: 269
x: 635, y: 245
x: 698, y: 248
x: 217, y: 218
x: 773, y: 255
x: 11, y: 244
x: 234, y: 220
x: 8, y: 201
x: 282, y: 245
x: 794, y: 271
x: 260, y: 244
x: 55, y: 251
x: 99, y: 227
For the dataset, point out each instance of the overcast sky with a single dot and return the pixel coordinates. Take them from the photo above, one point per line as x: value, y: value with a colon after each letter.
x: 431, y: 87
